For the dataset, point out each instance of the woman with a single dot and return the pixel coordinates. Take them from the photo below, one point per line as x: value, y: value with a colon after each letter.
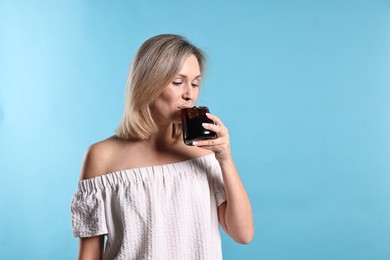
x: 153, y: 196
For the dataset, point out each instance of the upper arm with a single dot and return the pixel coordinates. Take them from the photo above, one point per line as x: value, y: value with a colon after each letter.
x: 221, y: 216
x: 91, y: 248
x: 94, y: 164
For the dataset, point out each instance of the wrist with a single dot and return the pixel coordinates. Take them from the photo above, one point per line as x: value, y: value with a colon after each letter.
x: 227, y: 162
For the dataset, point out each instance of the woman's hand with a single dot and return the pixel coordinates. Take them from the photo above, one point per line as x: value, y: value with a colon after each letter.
x: 221, y: 145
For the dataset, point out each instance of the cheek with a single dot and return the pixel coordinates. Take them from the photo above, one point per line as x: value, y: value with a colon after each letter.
x: 170, y: 95
x: 165, y: 102
x: 165, y: 98
x: 196, y: 93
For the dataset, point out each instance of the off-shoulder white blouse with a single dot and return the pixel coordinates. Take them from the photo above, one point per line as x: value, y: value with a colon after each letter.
x: 156, y: 212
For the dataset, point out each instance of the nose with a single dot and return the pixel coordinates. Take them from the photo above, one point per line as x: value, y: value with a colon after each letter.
x: 188, y: 92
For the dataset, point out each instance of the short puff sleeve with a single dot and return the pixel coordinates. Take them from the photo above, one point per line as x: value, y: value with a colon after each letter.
x: 217, y: 182
x: 88, y: 211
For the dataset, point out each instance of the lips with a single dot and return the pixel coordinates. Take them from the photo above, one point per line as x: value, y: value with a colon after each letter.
x: 183, y: 106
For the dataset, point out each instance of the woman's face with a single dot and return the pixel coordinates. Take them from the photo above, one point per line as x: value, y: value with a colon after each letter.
x: 180, y: 93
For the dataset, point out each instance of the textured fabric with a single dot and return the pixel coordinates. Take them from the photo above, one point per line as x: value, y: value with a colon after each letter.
x: 157, y: 212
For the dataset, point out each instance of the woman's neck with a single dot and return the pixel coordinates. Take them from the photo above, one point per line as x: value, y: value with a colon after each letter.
x: 163, y: 137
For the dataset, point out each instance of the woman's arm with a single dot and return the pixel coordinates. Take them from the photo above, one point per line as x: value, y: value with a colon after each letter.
x: 91, y: 248
x: 94, y: 164
x: 235, y: 214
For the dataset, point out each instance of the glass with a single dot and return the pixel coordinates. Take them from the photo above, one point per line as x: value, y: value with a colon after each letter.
x: 192, y: 119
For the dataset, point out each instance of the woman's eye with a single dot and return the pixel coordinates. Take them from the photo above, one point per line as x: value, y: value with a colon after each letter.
x: 195, y: 85
x: 176, y: 83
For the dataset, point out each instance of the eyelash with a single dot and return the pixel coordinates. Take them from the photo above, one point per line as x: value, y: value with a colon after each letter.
x: 179, y: 83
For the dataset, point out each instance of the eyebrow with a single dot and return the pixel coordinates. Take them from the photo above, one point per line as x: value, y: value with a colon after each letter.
x: 184, y: 76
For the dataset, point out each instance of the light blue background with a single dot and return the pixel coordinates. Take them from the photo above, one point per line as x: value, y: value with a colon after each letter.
x: 303, y: 86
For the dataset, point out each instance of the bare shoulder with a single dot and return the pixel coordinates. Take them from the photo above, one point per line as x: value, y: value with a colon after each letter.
x: 97, y: 158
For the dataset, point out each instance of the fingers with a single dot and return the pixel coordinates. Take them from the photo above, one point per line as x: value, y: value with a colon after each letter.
x: 221, y: 145
x: 206, y: 143
x: 215, y: 119
x: 220, y: 141
x: 212, y: 127
x: 219, y: 128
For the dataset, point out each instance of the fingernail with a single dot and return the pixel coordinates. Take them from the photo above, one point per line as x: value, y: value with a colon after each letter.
x: 194, y: 143
x: 208, y: 114
x: 205, y: 124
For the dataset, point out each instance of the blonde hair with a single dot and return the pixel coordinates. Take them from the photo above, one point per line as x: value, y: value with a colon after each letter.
x: 154, y: 66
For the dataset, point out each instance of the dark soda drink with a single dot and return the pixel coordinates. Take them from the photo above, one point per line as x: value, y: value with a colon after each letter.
x: 192, y: 119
